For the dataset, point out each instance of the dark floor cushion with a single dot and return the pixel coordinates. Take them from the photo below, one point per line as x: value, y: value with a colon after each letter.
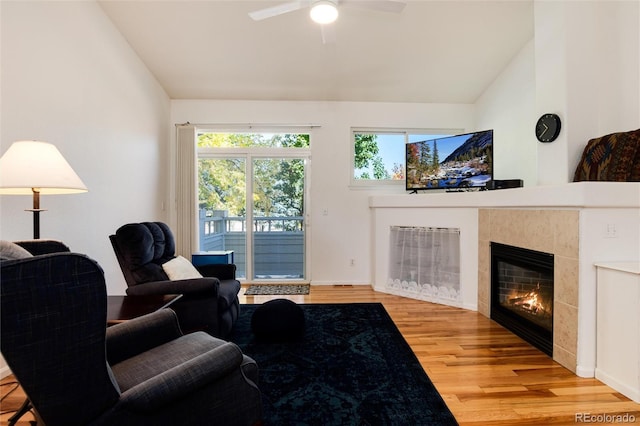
x: 278, y: 320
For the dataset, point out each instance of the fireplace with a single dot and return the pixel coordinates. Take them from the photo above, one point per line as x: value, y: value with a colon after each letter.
x: 522, y: 293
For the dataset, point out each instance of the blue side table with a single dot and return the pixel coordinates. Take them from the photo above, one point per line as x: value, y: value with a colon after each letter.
x: 212, y: 257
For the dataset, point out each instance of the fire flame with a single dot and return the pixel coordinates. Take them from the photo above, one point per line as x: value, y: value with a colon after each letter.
x: 529, y: 302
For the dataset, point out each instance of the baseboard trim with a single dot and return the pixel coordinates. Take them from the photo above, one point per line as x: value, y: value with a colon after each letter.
x: 624, y: 388
x: 585, y: 372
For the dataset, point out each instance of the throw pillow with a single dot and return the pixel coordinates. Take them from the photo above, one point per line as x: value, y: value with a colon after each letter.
x: 180, y: 268
x: 614, y: 157
x: 12, y: 251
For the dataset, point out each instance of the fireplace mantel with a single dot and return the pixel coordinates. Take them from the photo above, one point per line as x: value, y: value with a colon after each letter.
x: 604, y: 216
x: 576, y: 195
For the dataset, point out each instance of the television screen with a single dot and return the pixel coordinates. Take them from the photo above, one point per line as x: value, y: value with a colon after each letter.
x: 451, y: 162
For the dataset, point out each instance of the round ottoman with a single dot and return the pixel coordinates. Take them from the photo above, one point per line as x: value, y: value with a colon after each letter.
x: 279, y: 320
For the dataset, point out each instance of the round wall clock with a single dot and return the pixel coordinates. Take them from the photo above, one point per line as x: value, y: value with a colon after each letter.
x: 548, y: 128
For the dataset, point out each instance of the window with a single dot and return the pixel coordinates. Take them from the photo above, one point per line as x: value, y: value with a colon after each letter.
x: 378, y: 156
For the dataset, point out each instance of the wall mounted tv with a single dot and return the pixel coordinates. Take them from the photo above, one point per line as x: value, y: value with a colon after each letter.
x: 451, y: 162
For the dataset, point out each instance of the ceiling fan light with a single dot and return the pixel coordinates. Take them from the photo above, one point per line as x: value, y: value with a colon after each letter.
x: 324, y: 12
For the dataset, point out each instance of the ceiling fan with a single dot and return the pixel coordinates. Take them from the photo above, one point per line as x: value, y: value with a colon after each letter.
x: 326, y: 11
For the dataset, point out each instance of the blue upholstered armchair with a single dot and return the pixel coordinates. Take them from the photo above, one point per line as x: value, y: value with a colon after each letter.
x: 145, y: 371
x: 210, y: 301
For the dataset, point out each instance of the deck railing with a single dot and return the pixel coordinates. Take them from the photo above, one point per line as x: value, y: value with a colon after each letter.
x: 278, y: 243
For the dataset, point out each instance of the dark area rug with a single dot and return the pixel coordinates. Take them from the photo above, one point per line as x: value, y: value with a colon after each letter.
x: 275, y: 289
x: 352, y: 367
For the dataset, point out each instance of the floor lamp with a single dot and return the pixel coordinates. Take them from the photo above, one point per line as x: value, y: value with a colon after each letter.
x: 34, y: 167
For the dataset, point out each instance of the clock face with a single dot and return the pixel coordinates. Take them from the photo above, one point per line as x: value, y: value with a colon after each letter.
x: 548, y: 128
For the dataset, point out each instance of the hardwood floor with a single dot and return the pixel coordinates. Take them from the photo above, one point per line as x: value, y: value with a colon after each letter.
x: 486, y: 375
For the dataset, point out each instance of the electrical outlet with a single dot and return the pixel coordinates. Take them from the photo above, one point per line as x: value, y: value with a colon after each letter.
x: 325, y: 212
x: 611, y: 231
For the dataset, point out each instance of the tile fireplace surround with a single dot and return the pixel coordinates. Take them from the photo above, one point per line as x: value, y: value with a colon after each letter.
x: 549, y: 231
x: 580, y: 223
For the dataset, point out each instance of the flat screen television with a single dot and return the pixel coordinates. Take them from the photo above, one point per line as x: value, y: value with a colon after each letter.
x: 451, y: 162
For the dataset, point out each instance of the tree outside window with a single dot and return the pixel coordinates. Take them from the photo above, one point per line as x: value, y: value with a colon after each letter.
x: 280, y: 184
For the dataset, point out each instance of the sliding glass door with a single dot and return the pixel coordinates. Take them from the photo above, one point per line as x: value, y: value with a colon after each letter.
x: 222, y: 198
x: 252, y: 201
x: 278, y: 217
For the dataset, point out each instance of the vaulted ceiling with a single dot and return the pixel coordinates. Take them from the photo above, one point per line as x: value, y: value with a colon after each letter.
x: 434, y: 51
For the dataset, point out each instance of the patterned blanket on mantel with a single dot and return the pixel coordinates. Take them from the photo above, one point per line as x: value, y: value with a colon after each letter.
x: 614, y: 157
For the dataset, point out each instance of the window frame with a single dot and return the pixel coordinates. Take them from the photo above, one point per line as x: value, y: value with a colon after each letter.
x: 406, y: 132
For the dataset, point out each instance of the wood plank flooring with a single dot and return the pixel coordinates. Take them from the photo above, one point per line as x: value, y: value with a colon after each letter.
x: 486, y: 375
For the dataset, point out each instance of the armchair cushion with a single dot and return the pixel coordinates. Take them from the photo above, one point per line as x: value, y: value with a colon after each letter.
x: 182, y: 379
x: 12, y: 251
x: 135, y: 336
x: 43, y: 246
x: 174, y: 354
x: 180, y: 268
x: 145, y: 248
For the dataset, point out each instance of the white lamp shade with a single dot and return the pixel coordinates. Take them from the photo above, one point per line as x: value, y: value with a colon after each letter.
x: 324, y: 12
x: 39, y: 165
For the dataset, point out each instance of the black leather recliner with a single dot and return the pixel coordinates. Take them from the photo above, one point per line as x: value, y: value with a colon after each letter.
x: 209, y: 304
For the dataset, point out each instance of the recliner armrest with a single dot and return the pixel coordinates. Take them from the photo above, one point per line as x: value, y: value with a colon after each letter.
x: 222, y: 271
x: 193, y: 287
x: 182, y: 380
x: 140, y: 334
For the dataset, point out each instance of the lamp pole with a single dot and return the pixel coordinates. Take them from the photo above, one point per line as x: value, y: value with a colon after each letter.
x: 36, y: 213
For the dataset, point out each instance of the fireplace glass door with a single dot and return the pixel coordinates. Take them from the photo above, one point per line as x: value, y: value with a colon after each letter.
x: 522, y: 293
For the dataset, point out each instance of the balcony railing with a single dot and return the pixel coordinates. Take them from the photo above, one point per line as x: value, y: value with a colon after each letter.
x: 278, y: 243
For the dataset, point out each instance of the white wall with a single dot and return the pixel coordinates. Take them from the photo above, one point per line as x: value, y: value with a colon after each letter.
x: 508, y: 107
x: 583, y: 64
x: 69, y: 78
x: 345, y: 232
x: 587, y: 71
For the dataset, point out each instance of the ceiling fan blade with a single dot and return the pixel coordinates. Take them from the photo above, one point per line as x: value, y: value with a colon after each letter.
x: 328, y: 34
x: 280, y: 9
x: 394, y: 6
